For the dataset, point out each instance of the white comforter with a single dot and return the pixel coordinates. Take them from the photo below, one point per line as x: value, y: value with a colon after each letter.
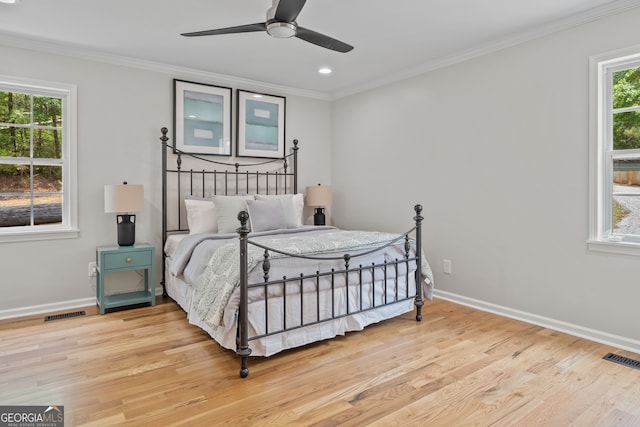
x: 194, y: 251
x: 211, y: 264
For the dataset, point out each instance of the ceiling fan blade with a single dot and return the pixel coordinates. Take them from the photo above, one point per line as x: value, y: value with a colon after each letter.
x: 322, y: 40
x: 288, y: 10
x: 260, y: 26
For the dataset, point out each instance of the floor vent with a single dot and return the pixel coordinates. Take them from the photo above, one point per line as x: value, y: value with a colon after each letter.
x: 616, y: 358
x: 64, y: 315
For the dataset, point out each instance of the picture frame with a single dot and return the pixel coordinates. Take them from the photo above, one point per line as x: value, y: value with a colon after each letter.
x: 202, y: 118
x: 261, y: 125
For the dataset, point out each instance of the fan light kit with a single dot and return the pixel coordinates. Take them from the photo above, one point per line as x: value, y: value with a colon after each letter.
x: 281, y: 23
x: 281, y: 30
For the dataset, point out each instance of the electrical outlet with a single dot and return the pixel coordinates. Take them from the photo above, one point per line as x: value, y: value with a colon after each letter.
x: 446, y: 266
x: 92, y: 269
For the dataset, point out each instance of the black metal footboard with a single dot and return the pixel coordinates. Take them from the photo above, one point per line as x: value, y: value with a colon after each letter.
x: 392, y: 274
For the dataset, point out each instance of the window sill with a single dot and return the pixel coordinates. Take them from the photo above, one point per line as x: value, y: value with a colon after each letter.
x: 615, y: 247
x: 34, y: 235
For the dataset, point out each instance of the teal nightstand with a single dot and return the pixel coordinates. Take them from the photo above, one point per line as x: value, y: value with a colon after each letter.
x: 125, y: 258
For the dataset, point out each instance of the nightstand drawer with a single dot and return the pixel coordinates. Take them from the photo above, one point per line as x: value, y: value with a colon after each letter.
x: 127, y: 260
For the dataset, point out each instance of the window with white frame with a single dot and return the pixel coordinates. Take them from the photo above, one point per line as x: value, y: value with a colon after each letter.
x: 615, y: 152
x: 38, y: 191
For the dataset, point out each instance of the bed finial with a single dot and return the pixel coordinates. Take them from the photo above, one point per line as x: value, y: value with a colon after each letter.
x: 243, y: 217
x: 164, y: 138
x: 418, y: 209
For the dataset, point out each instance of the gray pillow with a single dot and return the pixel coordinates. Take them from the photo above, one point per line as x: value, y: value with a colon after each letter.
x: 266, y: 215
x: 227, y: 208
x: 292, y: 204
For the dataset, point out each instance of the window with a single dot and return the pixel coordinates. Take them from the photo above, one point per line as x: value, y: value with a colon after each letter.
x: 615, y: 152
x: 38, y: 196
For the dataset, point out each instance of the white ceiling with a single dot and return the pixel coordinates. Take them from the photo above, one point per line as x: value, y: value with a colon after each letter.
x: 393, y: 39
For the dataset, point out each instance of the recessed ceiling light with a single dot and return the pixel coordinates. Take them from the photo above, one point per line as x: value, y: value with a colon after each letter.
x: 9, y: 1
x: 324, y: 70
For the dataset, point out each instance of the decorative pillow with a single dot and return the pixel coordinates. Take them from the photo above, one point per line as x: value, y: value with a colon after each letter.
x: 266, y: 215
x: 292, y: 204
x: 201, y: 216
x: 227, y: 208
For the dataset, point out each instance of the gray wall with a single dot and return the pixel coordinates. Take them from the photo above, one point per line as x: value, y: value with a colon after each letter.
x: 496, y: 149
x: 120, y: 112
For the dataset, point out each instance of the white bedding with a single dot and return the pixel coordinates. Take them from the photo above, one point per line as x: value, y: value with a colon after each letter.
x: 192, y: 255
x: 173, y: 240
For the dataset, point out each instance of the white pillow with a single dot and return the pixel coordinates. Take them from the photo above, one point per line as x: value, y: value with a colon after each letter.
x: 292, y: 204
x: 227, y: 209
x: 266, y: 215
x: 201, y: 216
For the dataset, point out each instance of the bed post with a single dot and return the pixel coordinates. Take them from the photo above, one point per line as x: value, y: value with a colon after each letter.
x: 243, y: 349
x: 295, y: 166
x: 164, y: 140
x: 419, y: 300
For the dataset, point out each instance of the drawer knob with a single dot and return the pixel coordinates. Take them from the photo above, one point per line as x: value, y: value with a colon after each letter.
x: 128, y: 259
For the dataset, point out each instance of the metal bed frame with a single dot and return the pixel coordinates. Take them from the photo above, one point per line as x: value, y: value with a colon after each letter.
x: 232, y: 179
x: 236, y: 181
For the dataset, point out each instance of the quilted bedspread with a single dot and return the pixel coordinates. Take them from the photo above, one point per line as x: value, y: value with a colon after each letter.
x: 221, y: 276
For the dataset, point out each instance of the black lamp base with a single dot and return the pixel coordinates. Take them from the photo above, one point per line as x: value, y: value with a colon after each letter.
x: 318, y: 217
x: 126, y: 229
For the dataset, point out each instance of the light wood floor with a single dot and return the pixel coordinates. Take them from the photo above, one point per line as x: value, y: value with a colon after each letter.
x: 458, y: 367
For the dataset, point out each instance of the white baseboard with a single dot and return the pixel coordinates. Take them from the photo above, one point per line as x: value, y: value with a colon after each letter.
x: 557, y: 325
x: 46, y: 308
x: 56, y: 306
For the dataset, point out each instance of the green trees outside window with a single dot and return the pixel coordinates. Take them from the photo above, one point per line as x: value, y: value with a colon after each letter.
x: 625, y: 133
x: 31, y: 166
x: 626, y: 109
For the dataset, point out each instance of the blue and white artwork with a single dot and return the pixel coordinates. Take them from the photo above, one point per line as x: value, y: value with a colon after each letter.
x: 261, y: 120
x: 202, y: 120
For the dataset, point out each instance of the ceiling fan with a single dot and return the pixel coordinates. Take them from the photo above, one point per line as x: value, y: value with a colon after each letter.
x: 281, y: 23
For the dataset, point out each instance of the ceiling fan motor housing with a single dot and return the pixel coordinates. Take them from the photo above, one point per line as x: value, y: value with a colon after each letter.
x: 281, y: 30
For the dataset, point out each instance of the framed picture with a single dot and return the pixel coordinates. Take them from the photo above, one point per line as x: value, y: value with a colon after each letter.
x: 202, y: 118
x: 260, y: 125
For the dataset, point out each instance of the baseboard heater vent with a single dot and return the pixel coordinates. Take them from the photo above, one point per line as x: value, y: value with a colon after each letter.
x: 621, y: 360
x: 64, y: 315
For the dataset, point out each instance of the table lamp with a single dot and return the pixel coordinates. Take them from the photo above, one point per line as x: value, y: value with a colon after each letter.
x: 124, y: 199
x: 320, y: 197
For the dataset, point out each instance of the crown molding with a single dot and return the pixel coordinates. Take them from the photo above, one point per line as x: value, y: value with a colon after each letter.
x: 590, y: 15
x: 610, y: 9
x: 11, y: 40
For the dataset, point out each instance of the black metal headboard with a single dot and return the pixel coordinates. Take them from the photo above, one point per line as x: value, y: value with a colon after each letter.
x: 197, y: 177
